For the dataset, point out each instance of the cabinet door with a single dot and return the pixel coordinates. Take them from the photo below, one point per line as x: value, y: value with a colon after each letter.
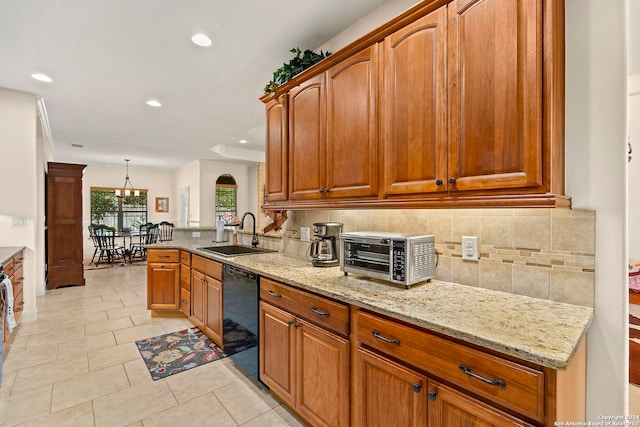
x: 276, y: 188
x: 352, y: 134
x: 449, y: 407
x: 387, y: 394
x: 163, y: 288
x: 414, y: 107
x: 323, y: 376
x: 307, y: 140
x: 495, y: 95
x: 277, y: 352
x: 213, y: 323
x: 185, y: 302
x: 197, y: 298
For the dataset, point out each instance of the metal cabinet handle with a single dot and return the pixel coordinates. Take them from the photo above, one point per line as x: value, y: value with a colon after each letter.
x: 163, y: 256
x: 387, y: 340
x: 321, y: 190
x: 416, y: 388
x: 432, y: 395
x: 319, y: 313
x: 452, y: 180
x: 326, y: 190
x: 438, y: 181
x: 273, y: 294
x: 496, y: 382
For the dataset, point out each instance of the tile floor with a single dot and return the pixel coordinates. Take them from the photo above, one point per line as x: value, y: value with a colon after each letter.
x: 78, y: 365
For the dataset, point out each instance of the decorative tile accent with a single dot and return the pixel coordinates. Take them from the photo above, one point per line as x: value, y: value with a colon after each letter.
x: 535, y: 244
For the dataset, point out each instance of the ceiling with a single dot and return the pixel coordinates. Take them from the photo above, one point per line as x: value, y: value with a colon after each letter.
x: 107, y: 58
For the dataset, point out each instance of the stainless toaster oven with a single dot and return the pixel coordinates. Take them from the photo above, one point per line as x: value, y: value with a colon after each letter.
x: 403, y: 259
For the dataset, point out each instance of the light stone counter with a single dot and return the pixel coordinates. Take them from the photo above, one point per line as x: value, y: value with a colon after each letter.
x: 6, y: 253
x: 539, y: 331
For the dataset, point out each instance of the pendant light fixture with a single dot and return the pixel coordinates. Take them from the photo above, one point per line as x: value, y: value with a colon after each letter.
x: 127, y: 188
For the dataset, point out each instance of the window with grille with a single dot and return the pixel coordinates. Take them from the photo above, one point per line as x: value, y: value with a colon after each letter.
x: 127, y: 212
x: 226, y: 198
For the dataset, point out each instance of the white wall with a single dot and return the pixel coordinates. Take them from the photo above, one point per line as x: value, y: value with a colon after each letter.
x: 158, y: 183
x: 19, y: 175
x: 189, y: 176
x: 596, y: 121
x: 634, y: 166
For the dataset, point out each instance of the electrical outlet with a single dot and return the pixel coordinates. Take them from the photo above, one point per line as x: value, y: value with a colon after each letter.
x: 195, y: 234
x: 305, y: 234
x: 470, y: 248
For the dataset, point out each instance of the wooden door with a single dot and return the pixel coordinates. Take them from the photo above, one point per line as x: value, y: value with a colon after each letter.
x: 163, y: 287
x: 277, y: 352
x: 352, y: 132
x: 449, y: 407
x: 213, y: 320
x: 197, y: 298
x: 387, y: 394
x: 64, y: 225
x: 307, y: 140
x: 414, y: 108
x: 323, y: 376
x: 495, y: 93
x: 277, y: 176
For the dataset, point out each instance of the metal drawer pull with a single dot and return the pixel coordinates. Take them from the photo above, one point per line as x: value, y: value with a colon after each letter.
x: 319, y: 313
x: 273, y: 294
x: 380, y: 337
x: 432, y: 395
x: 468, y: 371
x: 163, y: 256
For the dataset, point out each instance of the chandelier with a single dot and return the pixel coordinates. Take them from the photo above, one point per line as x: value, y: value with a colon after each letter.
x: 127, y: 188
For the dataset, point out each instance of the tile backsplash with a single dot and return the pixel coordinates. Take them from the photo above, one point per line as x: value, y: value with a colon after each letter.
x: 542, y: 253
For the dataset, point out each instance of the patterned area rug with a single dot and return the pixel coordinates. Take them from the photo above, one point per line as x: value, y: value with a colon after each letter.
x: 176, y: 352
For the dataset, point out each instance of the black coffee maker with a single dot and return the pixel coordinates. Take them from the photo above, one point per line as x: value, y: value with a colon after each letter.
x: 323, y: 250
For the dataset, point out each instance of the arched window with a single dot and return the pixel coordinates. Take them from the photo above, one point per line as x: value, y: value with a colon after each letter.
x: 226, y: 198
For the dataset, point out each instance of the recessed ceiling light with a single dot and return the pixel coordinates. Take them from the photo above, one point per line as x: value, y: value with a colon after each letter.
x: 42, y: 77
x: 243, y: 141
x: 201, y: 40
x: 154, y: 103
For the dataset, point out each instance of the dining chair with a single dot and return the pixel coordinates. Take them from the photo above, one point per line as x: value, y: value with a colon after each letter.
x: 140, y: 247
x: 154, y: 232
x: 165, y: 231
x: 94, y: 239
x: 109, y: 250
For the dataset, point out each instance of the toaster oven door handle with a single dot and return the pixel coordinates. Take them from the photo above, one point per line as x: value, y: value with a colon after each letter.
x: 385, y: 339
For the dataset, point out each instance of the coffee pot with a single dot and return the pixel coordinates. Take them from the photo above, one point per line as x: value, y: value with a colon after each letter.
x: 323, y: 250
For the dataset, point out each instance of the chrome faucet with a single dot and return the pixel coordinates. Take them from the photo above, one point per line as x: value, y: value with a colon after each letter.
x: 254, y: 239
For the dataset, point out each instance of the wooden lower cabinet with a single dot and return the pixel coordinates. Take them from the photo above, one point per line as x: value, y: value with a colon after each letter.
x: 213, y: 322
x: 185, y: 302
x: 163, y: 282
x: 386, y: 393
x: 306, y: 366
x: 206, y: 298
x: 450, y: 407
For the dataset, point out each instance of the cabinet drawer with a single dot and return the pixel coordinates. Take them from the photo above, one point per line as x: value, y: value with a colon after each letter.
x: 8, y: 267
x: 509, y: 384
x: 185, y: 277
x: 185, y: 258
x: 163, y: 255
x: 18, y: 260
x: 321, y: 311
x: 18, y: 305
x: 207, y: 266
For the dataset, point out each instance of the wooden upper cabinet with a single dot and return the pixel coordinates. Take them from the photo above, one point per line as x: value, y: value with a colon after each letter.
x: 414, y: 107
x: 495, y: 93
x: 352, y: 133
x: 307, y: 139
x: 276, y: 150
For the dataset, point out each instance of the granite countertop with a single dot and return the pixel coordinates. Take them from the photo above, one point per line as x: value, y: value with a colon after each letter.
x: 536, y: 330
x: 6, y: 253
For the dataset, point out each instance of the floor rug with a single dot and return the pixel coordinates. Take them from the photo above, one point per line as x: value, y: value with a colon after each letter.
x: 169, y: 354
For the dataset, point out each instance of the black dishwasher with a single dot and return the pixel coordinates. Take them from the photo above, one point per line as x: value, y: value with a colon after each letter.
x: 240, y: 307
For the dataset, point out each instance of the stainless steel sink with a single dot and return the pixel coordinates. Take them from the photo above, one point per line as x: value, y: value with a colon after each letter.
x: 235, y: 250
